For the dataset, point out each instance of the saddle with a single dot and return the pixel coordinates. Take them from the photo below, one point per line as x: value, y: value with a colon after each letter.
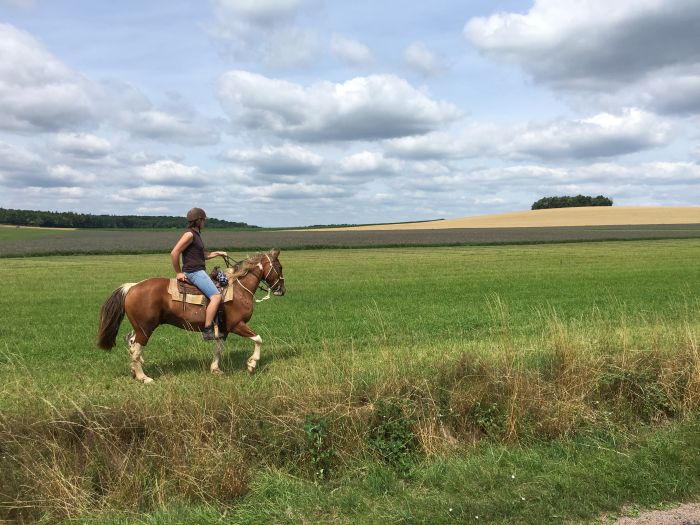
x: 190, y: 294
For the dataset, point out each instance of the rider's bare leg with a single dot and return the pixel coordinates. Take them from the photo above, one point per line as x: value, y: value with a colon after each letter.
x: 212, y: 307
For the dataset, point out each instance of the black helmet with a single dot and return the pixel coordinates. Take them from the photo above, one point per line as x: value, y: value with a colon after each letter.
x: 196, y: 214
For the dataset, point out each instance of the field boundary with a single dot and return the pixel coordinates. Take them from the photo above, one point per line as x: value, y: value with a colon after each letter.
x: 87, y: 242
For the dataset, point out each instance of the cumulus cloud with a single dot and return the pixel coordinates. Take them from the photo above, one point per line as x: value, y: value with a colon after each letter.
x: 363, y: 108
x: 423, y: 61
x: 174, y: 121
x: 266, y: 30
x: 81, y: 145
x: 368, y: 163
x: 644, y: 52
x: 350, y: 51
x: 171, y: 173
x: 603, y: 135
x: 479, y: 140
x: 288, y: 159
x: 599, y: 136
x: 37, y: 91
x: 294, y: 192
x: 16, y: 161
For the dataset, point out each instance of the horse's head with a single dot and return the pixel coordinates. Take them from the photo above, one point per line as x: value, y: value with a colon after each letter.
x: 272, y: 272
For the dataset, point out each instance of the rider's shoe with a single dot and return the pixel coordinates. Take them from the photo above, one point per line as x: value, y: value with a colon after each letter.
x: 208, y: 333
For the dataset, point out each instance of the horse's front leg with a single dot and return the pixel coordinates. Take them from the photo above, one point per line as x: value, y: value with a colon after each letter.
x: 218, y: 349
x: 243, y: 330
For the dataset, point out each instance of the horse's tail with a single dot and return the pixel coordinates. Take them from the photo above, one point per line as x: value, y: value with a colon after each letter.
x: 111, y: 316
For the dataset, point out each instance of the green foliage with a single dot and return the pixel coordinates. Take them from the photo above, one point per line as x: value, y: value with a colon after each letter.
x: 571, y: 202
x: 85, y: 220
x: 391, y: 434
x: 316, y: 430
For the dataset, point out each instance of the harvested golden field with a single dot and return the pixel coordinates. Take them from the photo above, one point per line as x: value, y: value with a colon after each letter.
x: 589, y: 216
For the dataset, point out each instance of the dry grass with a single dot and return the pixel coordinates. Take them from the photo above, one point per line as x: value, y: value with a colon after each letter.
x: 588, y: 216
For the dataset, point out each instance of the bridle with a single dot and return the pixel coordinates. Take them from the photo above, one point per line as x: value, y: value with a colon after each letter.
x: 270, y: 287
x: 273, y: 286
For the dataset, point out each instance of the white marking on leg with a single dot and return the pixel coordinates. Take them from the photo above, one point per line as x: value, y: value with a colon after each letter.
x: 253, y: 359
x: 136, y: 361
x: 218, y: 349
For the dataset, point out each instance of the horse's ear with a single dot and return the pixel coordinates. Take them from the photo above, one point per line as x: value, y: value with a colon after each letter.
x: 275, y: 252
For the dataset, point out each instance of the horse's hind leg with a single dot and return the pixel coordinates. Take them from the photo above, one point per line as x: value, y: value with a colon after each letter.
x: 135, y: 350
x: 218, y: 349
x: 243, y: 330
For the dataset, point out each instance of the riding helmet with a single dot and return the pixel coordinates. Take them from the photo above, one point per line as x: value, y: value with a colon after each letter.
x: 195, y: 214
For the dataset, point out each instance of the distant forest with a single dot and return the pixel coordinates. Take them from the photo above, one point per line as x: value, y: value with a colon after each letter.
x: 57, y: 219
x: 571, y: 202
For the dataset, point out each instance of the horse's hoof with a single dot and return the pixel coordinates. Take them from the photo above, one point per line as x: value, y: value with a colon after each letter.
x: 217, y: 372
x: 251, y: 370
x: 147, y: 380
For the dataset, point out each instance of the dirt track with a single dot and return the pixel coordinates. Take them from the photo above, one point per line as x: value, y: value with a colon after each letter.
x: 688, y: 514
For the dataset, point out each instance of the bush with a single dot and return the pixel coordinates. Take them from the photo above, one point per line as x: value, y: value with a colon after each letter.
x: 571, y: 202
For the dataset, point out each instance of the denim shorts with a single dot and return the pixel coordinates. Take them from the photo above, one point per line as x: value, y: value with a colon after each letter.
x: 202, y: 281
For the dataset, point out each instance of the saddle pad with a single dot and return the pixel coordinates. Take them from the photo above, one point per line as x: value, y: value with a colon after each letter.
x: 195, y: 299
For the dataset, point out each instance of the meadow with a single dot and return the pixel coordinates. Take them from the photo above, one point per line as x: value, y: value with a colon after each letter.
x: 478, y: 384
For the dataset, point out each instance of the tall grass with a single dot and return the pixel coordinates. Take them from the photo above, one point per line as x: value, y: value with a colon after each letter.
x: 203, y: 443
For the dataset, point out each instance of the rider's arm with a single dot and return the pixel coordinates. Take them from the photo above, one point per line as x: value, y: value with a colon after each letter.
x: 211, y: 255
x: 183, y: 243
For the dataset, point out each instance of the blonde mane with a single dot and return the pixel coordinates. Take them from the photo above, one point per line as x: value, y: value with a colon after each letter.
x: 245, y: 266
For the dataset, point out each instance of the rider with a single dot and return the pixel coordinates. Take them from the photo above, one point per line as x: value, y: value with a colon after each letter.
x: 191, y: 247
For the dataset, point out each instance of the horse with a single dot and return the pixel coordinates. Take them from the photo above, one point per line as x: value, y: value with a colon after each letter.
x: 148, y: 304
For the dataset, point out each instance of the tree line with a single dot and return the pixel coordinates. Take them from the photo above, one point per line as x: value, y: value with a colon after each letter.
x: 55, y: 219
x: 571, y: 202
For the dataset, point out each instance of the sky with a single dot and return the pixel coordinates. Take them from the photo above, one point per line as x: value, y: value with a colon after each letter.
x: 301, y: 112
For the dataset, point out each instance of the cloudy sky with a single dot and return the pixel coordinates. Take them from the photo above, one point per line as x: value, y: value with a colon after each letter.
x: 298, y: 112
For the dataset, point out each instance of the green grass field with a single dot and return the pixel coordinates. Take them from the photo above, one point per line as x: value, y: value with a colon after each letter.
x: 523, y: 384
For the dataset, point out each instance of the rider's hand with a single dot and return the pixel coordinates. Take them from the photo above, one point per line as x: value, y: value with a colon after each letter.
x: 223, y: 254
x: 182, y: 277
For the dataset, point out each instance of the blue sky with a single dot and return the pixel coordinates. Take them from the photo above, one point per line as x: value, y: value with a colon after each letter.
x: 297, y: 112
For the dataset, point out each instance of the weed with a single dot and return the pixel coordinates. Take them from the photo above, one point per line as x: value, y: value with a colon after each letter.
x: 391, y: 434
x: 316, y: 430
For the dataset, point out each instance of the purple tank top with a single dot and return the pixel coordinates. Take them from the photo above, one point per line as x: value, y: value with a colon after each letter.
x: 193, y: 255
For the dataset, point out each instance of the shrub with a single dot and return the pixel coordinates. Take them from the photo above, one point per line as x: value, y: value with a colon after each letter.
x: 571, y: 202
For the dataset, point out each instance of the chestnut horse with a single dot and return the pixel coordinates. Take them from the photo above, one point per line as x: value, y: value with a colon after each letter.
x: 148, y: 304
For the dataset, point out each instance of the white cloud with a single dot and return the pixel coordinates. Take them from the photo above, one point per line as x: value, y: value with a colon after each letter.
x: 81, y: 145
x: 266, y: 30
x: 420, y: 59
x: 288, y: 159
x: 260, y: 12
x: 350, y: 51
x: 295, y: 191
x: 635, y: 49
x: 171, y: 173
x: 16, y: 161
x: 603, y: 135
x: 368, y: 162
x: 37, y: 91
x: 363, y: 108
x: 148, y: 193
x: 480, y: 140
